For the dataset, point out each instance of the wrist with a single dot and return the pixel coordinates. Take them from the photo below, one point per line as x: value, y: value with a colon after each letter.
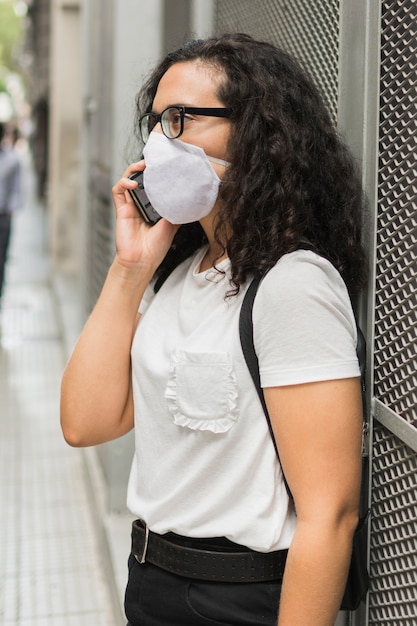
x: 135, y: 274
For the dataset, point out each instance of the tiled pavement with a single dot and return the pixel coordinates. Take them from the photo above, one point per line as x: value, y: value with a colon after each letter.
x: 52, y: 562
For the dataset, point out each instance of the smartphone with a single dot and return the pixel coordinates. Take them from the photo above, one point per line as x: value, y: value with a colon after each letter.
x: 141, y: 200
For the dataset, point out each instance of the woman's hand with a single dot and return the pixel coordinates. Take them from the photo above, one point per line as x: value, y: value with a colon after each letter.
x: 96, y: 394
x: 137, y: 243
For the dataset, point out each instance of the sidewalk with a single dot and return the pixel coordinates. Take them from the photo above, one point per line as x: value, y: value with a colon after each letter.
x: 53, y: 569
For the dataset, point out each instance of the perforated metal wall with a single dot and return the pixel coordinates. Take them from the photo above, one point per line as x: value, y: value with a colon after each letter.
x: 100, y: 249
x: 396, y: 310
x: 101, y: 244
x: 308, y: 30
x: 393, y: 595
x: 393, y: 548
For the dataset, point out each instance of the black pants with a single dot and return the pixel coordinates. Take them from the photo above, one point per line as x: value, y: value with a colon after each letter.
x: 155, y: 597
x: 5, y: 230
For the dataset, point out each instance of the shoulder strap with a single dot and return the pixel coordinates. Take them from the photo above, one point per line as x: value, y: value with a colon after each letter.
x: 248, y: 348
x: 251, y: 358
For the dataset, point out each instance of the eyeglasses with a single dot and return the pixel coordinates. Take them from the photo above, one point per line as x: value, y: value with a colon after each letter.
x: 172, y: 120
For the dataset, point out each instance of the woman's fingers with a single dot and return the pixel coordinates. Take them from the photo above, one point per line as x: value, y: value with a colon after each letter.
x: 134, y: 167
x: 120, y: 189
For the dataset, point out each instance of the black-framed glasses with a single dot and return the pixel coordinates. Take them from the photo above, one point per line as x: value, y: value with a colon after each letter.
x: 172, y: 120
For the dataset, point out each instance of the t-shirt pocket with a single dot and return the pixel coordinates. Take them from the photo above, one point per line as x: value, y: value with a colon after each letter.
x: 202, y: 391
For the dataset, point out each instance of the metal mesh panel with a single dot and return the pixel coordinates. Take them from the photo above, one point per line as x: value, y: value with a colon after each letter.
x: 101, y: 228
x: 308, y: 30
x: 393, y: 567
x: 102, y: 245
x: 393, y: 597
x: 396, y: 323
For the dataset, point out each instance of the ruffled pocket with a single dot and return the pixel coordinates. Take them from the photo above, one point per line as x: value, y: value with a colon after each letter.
x: 202, y: 391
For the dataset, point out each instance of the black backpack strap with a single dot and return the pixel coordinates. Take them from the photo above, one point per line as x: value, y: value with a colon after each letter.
x: 251, y: 358
x: 358, y: 579
x: 248, y: 348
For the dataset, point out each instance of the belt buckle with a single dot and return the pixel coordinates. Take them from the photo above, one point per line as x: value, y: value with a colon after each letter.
x: 145, y: 545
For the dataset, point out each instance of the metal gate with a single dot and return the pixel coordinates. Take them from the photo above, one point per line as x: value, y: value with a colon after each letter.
x: 100, y: 236
x: 312, y: 31
x: 308, y: 30
x: 393, y: 548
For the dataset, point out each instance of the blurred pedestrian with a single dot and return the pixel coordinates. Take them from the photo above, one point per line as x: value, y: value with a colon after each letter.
x: 10, y: 195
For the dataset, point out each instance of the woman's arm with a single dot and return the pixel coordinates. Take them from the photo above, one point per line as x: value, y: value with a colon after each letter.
x: 96, y: 393
x: 318, y: 428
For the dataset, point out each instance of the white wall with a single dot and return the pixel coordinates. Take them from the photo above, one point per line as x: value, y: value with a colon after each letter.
x: 64, y: 132
x: 137, y: 47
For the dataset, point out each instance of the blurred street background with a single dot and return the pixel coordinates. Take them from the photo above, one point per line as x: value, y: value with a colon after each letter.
x: 52, y: 570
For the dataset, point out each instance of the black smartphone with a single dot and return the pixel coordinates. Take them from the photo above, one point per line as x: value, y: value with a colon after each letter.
x: 141, y: 200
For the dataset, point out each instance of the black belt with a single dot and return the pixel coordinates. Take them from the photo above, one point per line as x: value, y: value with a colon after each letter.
x: 205, y: 564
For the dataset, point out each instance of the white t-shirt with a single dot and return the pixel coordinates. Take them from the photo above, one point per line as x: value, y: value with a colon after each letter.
x: 204, y: 463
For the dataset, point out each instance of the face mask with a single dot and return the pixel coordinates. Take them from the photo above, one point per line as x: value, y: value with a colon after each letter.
x: 179, y: 179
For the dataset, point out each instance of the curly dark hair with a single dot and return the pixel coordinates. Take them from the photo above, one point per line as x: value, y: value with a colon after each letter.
x: 291, y: 176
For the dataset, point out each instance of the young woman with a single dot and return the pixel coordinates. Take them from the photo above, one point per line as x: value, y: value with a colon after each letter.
x: 243, y: 163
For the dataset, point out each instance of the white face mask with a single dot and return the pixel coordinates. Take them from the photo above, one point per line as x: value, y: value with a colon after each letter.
x: 179, y: 180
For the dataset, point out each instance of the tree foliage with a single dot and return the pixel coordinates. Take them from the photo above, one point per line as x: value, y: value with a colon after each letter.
x: 11, y: 30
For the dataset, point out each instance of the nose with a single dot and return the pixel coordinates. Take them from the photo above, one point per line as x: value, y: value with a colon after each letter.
x: 158, y: 128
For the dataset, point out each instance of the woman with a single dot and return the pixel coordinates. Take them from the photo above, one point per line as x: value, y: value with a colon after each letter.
x: 243, y: 163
